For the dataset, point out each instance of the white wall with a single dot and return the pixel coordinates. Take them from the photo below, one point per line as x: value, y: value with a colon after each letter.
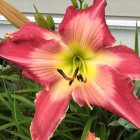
x: 115, y: 8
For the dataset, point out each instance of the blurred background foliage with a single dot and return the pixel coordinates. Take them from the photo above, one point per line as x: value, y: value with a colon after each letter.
x: 17, y: 108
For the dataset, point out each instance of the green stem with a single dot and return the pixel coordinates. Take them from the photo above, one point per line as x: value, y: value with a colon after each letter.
x: 81, y: 3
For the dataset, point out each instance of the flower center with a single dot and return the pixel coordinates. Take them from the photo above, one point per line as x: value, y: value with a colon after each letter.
x: 73, y: 63
x: 78, y: 61
x: 78, y: 64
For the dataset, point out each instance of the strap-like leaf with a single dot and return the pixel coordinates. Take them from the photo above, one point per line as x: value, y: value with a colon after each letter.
x: 136, y: 40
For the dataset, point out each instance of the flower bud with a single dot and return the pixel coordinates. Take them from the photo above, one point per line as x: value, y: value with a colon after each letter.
x: 50, y: 22
x: 12, y: 14
x: 85, y: 6
x: 74, y: 2
x: 40, y: 20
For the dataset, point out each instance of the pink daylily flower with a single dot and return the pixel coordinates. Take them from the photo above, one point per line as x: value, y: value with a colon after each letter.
x: 91, y: 136
x: 78, y: 60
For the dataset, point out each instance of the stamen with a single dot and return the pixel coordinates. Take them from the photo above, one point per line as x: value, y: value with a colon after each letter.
x: 78, y: 77
x: 66, y: 77
x: 70, y: 82
x: 63, y: 74
x: 81, y: 79
x: 74, y: 76
x: 76, y: 72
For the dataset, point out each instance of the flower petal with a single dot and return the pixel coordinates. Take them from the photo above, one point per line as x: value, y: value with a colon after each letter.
x: 35, y: 55
x: 87, y: 27
x: 122, y: 59
x: 111, y: 90
x: 49, y: 113
x: 31, y: 30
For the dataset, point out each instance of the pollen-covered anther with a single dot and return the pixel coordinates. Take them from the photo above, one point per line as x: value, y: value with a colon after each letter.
x: 81, y: 79
x: 68, y: 78
x: 75, y: 75
x: 64, y: 75
x: 70, y: 82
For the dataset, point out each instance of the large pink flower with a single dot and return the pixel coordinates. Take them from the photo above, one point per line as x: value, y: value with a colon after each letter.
x: 77, y: 61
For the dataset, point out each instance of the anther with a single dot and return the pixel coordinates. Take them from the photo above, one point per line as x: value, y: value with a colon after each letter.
x: 81, y: 79
x: 78, y: 77
x: 70, y: 82
x: 63, y: 74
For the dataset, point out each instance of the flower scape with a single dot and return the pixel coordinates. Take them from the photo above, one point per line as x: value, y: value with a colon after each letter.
x: 79, y: 60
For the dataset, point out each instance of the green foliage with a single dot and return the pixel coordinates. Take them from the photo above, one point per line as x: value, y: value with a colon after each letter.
x: 16, y: 104
x: 47, y: 23
x: 87, y: 127
x: 79, y: 4
x: 75, y: 3
x: 85, y: 5
x: 136, y: 40
x: 50, y: 21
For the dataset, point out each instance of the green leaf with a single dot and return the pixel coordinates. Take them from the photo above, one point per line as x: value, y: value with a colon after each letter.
x: 126, y: 124
x: 67, y: 130
x: 12, y: 78
x: 135, y: 136
x: 23, y: 137
x: 5, y: 102
x: 136, y: 40
x: 50, y: 22
x: 85, y: 6
x: 9, y: 119
x: 40, y: 20
x: 20, y: 98
x: 103, y: 132
x: 7, y: 70
x: 75, y: 3
x: 15, y: 111
x: 120, y: 135
x: 87, y: 128
x: 14, y: 123
x: 137, y: 83
x: 114, y: 123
